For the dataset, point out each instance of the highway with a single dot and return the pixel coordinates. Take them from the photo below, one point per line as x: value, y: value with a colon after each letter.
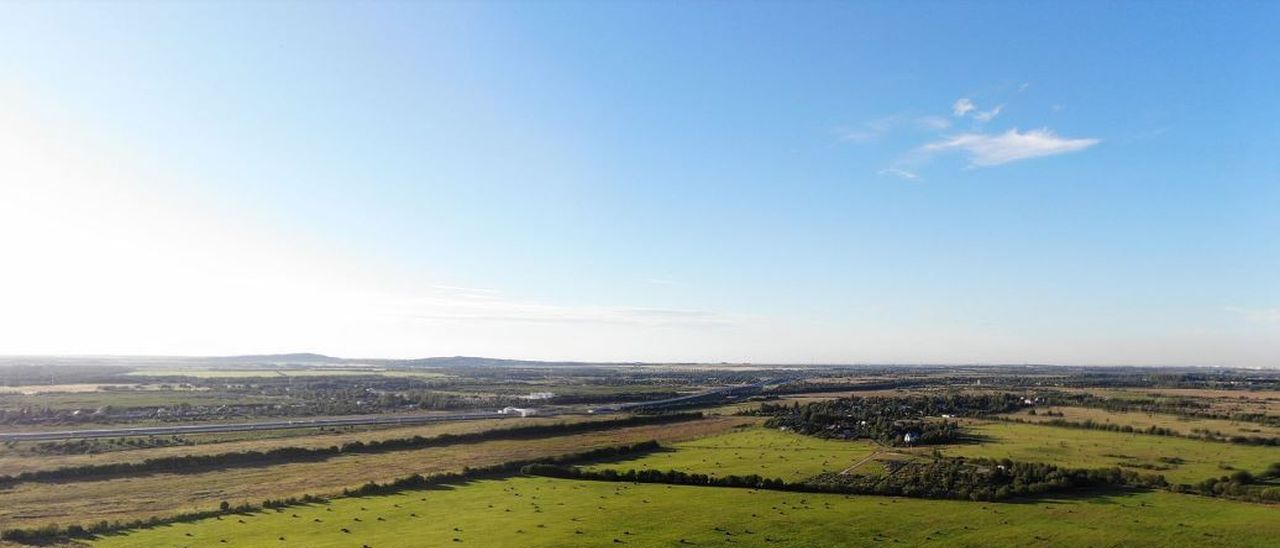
x: 244, y: 426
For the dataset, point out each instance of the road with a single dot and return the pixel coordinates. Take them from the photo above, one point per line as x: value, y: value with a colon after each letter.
x: 245, y: 426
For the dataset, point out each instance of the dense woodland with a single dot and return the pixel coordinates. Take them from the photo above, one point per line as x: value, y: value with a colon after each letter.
x: 904, y: 420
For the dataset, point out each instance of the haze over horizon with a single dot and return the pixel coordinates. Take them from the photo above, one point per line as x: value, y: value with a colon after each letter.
x: 936, y: 183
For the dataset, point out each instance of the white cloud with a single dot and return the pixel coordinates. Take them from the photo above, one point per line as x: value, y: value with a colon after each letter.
x: 900, y: 173
x: 933, y: 123
x: 962, y: 107
x: 1024, y: 86
x: 988, y: 115
x: 1010, y: 146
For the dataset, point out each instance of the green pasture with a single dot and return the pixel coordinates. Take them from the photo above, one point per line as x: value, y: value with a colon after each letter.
x: 1080, y: 448
x: 550, y: 512
x: 763, y: 451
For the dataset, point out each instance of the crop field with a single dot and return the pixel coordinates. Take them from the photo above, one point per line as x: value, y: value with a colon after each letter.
x: 21, y: 458
x: 553, y: 512
x: 1080, y: 448
x: 763, y: 451
x: 32, y: 504
x: 1137, y: 419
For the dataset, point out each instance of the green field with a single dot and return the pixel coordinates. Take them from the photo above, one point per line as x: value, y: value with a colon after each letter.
x: 549, y: 512
x: 762, y: 451
x: 1080, y: 448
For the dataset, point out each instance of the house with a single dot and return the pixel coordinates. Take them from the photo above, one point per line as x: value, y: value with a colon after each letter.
x: 909, y: 438
x: 523, y: 412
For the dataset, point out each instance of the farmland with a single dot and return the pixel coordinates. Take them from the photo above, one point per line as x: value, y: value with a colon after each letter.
x: 1185, y: 426
x: 32, y: 504
x: 547, y: 512
x: 1178, y: 459
x: 756, y: 451
x: 835, y: 430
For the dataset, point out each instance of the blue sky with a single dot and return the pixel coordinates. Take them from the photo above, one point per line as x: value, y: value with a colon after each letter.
x: 876, y: 182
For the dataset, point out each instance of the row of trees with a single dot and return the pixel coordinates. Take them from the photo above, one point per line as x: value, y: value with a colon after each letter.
x: 979, y: 480
x: 197, y: 463
x: 1239, y: 485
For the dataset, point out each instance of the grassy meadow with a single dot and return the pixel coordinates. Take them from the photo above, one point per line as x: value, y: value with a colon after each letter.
x: 551, y: 512
x: 1138, y: 419
x: 755, y: 450
x: 1080, y: 448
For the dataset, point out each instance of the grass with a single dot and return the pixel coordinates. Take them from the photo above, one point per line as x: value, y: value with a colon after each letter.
x: 34, y: 504
x: 1079, y: 448
x: 562, y: 513
x: 757, y: 450
x: 1182, y: 425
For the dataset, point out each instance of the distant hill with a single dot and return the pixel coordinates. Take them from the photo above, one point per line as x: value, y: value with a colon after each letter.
x: 295, y: 358
x: 476, y: 361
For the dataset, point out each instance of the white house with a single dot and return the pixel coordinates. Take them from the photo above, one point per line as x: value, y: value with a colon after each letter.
x: 523, y: 412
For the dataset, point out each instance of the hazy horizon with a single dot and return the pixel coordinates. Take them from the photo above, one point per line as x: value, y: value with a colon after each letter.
x: 871, y: 183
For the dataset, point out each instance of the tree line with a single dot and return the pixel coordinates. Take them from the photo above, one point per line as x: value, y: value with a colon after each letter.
x: 946, y: 478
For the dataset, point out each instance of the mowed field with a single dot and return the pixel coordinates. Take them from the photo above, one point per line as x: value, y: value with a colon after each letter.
x: 1137, y: 419
x: 32, y: 504
x: 756, y: 450
x: 1080, y: 448
x: 552, y: 512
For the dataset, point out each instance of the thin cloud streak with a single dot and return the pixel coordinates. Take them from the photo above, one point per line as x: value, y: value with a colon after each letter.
x: 991, y: 150
x: 899, y: 173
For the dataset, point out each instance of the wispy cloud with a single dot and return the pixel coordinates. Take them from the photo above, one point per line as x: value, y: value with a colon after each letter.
x: 933, y: 123
x: 988, y: 115
x: 962, y: 107
x: 991, y: 150
x: 900, y: 173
